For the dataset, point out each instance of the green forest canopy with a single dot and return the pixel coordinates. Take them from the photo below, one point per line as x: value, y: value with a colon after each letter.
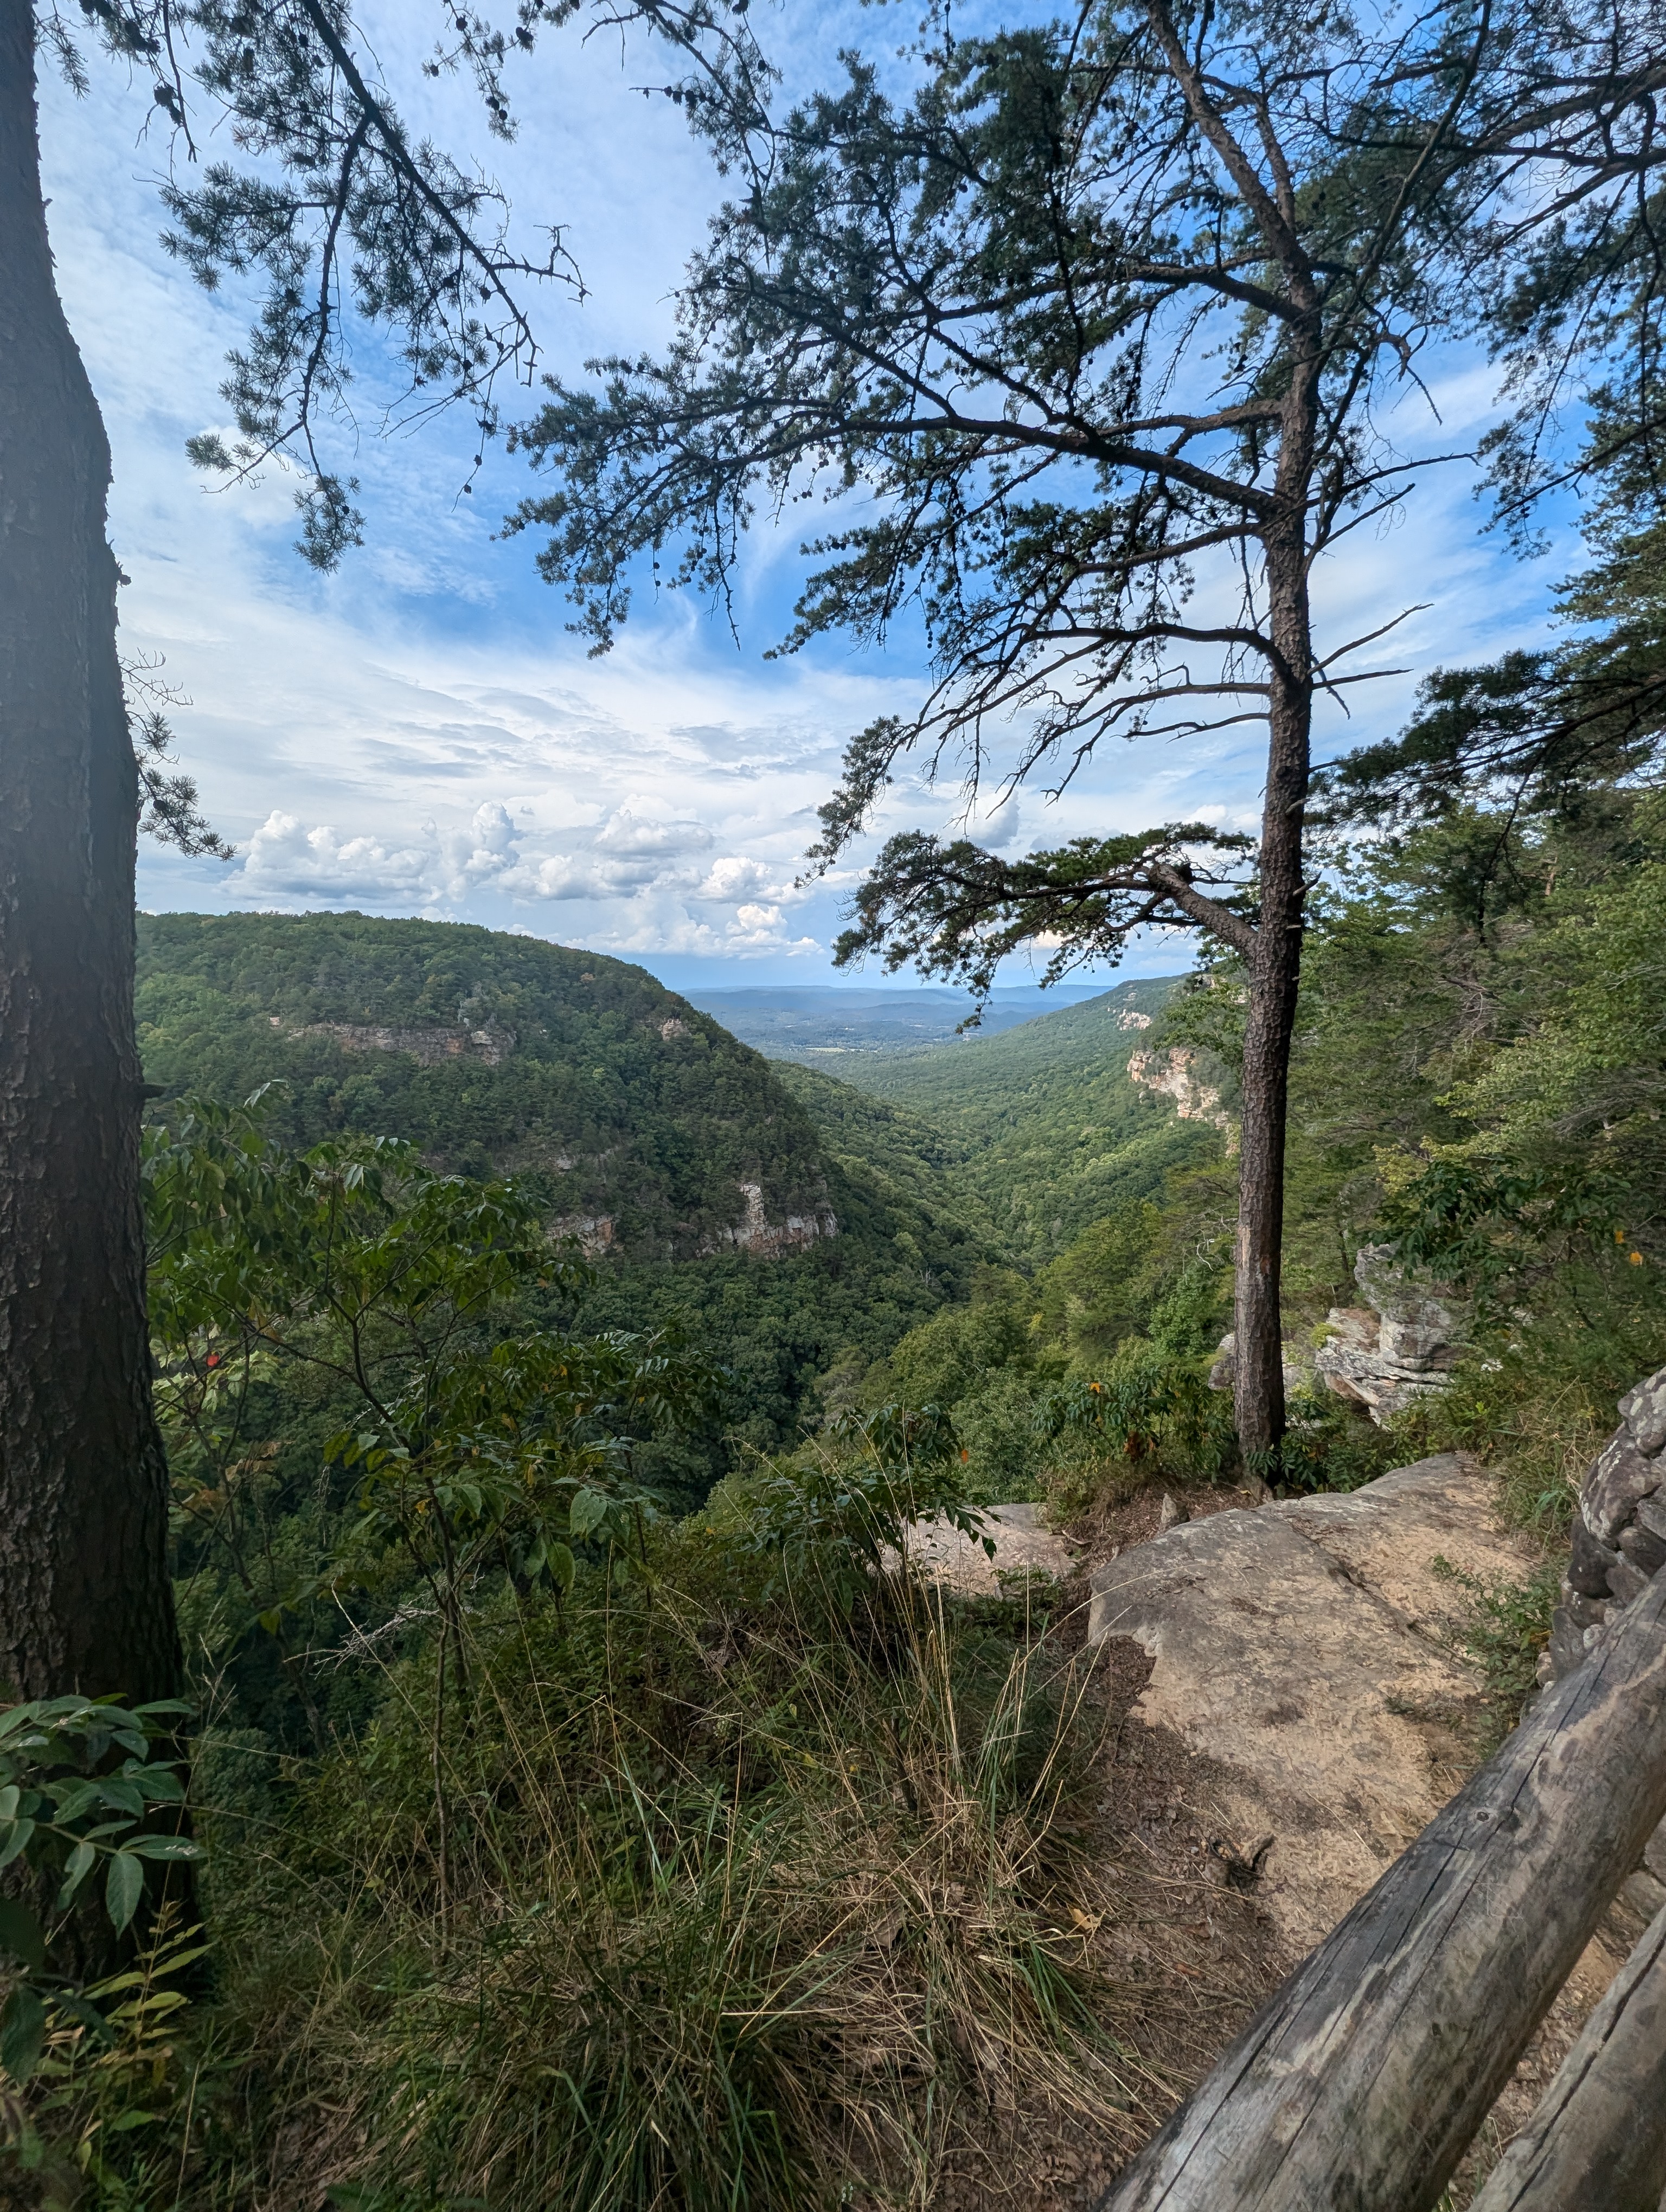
x: 637, y: 1121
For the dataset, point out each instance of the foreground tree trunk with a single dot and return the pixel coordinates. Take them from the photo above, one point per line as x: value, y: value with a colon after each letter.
x: 85, y: 1602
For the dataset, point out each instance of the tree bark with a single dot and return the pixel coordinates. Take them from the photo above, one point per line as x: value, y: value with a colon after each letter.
x: 1359, y: 2086
x: 1275, y: 966
x: 85, y: 1601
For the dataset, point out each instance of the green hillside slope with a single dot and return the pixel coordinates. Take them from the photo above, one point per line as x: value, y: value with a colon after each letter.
x: 640, y: 1121
x: 493, y: 1053
x: 1047, y: 1132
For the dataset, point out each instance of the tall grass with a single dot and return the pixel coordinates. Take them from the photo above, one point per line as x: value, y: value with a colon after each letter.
x: 755, y: 1895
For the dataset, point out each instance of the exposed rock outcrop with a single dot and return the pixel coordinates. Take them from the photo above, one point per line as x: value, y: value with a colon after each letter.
x: 1023, y: 1544
x: 1306, y: 1648
x: 756, y: 1233
x: 490, y: 1046
x: 1619, y: 1547
x: 1171, y: 1072
x: 1619, y: 1531
x: 593, y: 1231
x: 1403, y: 1341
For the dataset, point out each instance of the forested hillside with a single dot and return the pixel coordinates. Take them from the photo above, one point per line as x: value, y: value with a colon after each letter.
x: 594, y: 1622
x: 637, y: 1123
x: 494, y: 1054
x: 1050, y: 1133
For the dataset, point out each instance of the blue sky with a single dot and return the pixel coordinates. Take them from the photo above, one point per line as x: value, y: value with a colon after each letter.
x: 419, y: 734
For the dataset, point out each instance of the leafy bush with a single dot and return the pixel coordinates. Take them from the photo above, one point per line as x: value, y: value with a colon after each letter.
x: 743, y: 1904
x: 1150, y: 1415
x: 83, y: 1791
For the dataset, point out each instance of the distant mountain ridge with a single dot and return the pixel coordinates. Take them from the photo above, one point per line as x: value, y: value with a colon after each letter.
x: 822, y: 1024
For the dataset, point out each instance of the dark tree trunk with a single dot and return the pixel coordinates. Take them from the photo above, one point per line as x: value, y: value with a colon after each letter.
x: 85, y: 1602
x: 1274, y: 974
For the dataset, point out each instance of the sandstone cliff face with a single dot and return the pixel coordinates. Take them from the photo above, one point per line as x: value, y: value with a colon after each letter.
x: 430, y: 1046
x: 594, y: 1232
x: 755, y: 1233
x: 1404, y: 1341
x: 1171, y: 1072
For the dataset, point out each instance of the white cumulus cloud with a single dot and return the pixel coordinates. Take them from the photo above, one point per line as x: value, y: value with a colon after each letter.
x: 284, y: 856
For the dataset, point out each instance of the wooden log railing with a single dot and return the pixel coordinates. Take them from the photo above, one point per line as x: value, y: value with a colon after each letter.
x: 1599, y: 2136
x: 1360, y: 2085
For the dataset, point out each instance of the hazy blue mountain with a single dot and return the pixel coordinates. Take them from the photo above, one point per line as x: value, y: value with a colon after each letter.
x: 823, y: 1023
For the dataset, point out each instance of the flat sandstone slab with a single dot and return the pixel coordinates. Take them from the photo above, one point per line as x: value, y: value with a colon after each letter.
x: 1304, y: 1648
x: 1023, y: 1542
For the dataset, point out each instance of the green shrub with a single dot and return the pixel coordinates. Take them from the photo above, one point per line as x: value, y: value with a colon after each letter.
x: 1148, y: 1415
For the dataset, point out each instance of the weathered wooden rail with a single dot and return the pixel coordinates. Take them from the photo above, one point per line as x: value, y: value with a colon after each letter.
x: 1599, y: 2136
x: 1360, y: 2085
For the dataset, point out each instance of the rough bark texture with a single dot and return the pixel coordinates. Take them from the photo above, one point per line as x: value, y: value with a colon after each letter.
x: 1599, y: 2136
x: 84, y: 1596
x: 1359, y: 2086
x: 1275, y: 966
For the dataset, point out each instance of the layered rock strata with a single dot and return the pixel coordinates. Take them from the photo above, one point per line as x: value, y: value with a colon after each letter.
x: 1402, y: 1342
x: 1619, y: 1547
x: 1619, y: 1532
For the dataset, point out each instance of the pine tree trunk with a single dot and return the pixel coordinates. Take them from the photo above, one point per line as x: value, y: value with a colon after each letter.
x: 1258, y: 1386
x: 85, y: 1602
x: 1275, y: 970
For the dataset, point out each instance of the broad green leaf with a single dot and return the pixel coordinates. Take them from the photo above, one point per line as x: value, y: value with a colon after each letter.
x: 587, y: 1512
x: 164, y: 1847
x: 160, y: 1785
x: 16, y: 1842
x: 124, y: 1885
x: 124, y: 1794
x: 19, y: 1933
x: 22, y: 2033
x: 125, y: 2121
x: 74, y: 1872
x: 562, y: 1565
x: 9, y: 1800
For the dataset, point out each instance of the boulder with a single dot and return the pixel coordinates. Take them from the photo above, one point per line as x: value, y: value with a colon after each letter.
x: 1306, y: 1648
x: 1024, y: 1544
x: 1619, y: 1539
x: 1401, y: 1343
